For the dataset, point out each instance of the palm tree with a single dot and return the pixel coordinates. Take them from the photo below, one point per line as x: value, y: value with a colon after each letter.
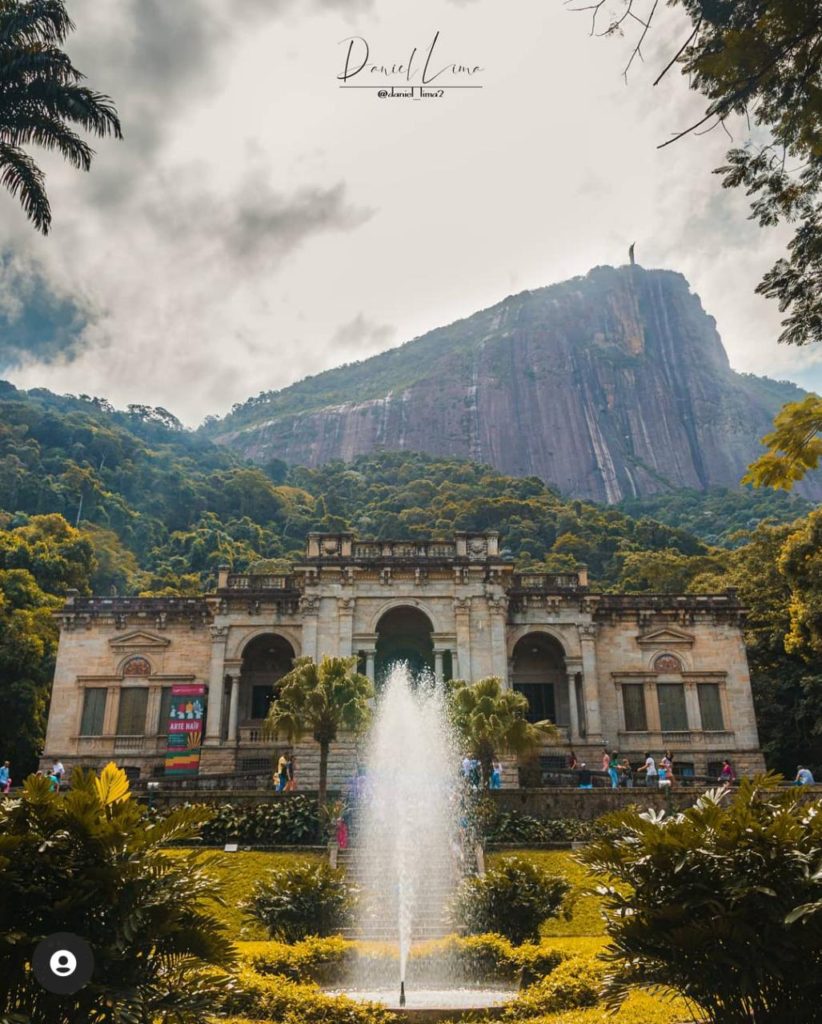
x: 321, y: 699
x: 40, y: 96
x: 491, y: 721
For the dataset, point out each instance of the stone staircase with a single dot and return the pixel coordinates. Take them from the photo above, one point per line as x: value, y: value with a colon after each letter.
x: 380, y: 920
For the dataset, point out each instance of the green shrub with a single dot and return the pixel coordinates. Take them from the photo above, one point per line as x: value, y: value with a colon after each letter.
x: 517, y: 828
x: 290, y: 822
x: 704, y: 902
x: 279, y: 999
x: 469, y: 959
x: 90, y: 862
x: 574, y: 983
x: 307, y: 898
x: 512, y: 898
x: 323, y: 960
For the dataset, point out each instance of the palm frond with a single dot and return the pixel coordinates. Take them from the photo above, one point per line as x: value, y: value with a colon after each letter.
x: 50, y: 133
x: 24, y: 179
x: 38, y: 19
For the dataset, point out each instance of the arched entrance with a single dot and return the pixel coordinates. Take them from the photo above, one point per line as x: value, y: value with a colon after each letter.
x: 266, y: 659
x: 404, y: 634
x: 538, y: 672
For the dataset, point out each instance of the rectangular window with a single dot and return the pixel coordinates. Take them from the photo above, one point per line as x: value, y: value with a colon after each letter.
x: 94, y: 710
x: 131, y: 719
x: 633, y: 701
x: 710, y: 707
x: 165, y: 712
x: 672, y: 714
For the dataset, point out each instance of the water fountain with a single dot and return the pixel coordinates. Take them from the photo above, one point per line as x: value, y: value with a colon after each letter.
x: 406, y: 856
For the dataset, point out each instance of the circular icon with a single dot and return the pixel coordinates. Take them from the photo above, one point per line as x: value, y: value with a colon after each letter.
x: 63, y: 963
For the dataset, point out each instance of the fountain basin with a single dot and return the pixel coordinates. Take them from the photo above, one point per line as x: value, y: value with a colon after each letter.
x: 429, y: 1005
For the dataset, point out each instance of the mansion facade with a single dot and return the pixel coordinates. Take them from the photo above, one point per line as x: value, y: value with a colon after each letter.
x: 632, y: 672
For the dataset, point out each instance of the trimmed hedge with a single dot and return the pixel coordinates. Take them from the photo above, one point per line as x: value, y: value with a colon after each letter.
x: 469, y: 960
x: 279, y: 999
x: 291, y: 822
x: 571, y: 985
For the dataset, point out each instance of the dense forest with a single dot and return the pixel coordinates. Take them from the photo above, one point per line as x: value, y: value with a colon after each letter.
x: 107, y: 501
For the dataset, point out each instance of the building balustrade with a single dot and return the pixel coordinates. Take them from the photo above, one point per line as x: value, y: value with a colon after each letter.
x: 546, y: 581
x: 720, y: 740
x: 108, y: 746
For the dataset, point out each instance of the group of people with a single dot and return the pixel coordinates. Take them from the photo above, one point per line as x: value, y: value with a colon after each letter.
x: 54, y: 775
x: 284, y: 779
x: 472, y: 773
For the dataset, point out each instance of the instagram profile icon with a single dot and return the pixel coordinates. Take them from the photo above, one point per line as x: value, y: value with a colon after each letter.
x: 63, y: 963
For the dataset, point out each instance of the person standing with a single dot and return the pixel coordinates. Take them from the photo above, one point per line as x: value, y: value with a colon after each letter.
x: 496, y: 775
x: 5, y: 777
x: 651, y: 773
x: 627, y: 774
x: 282, y: 772
x: 58, y: 770
x: 291, y: 779
x: 613, y: 769
x: 804, y: 776
x: 727, y: 775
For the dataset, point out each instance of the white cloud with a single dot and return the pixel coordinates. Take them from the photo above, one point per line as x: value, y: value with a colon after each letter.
x: 258, y: 223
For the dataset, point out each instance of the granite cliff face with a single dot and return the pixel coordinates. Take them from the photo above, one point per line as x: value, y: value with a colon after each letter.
x: 607, y: 386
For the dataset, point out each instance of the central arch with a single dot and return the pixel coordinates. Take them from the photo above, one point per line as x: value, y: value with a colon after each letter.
x: 266, y: 659
x: 404, y: 634
x: 538, y: 672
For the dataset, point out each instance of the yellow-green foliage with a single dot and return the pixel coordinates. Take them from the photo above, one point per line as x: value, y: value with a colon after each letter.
x: 638, y: 1008
x: 585, y: 917
x: 237, y: 874
x: 575, y: 982
x: 278, y: 999
x: 472, y: 958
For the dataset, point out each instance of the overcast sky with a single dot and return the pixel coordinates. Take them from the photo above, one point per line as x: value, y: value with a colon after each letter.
x: 259, y: 223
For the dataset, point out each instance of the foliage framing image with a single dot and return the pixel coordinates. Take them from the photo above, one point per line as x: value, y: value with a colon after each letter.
x: 89, y: 862
x: 719, y: 903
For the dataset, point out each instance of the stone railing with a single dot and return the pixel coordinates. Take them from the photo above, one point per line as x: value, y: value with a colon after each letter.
x: 107, y: 746
x: 720, y: 740
x: 254, y: 735
x: 263, y: 581
x: 542, y: 582
x: 379, y: 550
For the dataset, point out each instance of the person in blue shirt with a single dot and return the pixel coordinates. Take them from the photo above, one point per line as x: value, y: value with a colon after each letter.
x: 5, y: 777
x: 804, y: 776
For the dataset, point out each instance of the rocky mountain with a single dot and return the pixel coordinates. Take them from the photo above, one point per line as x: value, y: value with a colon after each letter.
x: 608, y: 386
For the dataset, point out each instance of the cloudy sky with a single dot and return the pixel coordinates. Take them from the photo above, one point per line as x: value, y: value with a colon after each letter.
x: 259, y: 223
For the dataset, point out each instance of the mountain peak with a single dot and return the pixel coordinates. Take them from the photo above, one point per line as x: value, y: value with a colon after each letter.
x: 608, y: 385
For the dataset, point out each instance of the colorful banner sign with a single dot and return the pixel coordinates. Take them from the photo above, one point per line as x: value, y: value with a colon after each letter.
x: 186, y: 720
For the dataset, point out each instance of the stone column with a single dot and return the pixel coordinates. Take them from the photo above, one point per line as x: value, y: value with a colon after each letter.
x: 309, y: 610
x: 345, y: 624
x: 498, y: 609
x: 692, y: 705
x: 438, y: 663
x: 573, y: 712
x: 369, y: 663
x: 216, y: 675
x: 462, y: 616
x: 590, y: 684
x: 234, y: 707
x: 155, y: 699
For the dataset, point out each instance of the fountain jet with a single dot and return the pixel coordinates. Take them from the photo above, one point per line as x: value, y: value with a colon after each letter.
x: 402, y: 993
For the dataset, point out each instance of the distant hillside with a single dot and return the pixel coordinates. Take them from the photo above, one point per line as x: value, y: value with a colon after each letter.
x: 610, y: 386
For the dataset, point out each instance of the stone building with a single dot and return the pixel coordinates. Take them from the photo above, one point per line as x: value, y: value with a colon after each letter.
x: 630, y: 671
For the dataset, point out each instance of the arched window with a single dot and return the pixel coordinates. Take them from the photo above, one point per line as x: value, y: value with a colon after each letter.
x: 266, y: 659
x: 538, y: 672
x: 404, y: 634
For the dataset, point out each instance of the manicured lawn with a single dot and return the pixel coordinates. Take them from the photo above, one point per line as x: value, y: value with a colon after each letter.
x: 237, y: 874
x: 583, y: 934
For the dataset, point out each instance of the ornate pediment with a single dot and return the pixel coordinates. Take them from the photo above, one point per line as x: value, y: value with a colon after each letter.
x: 138, y: 640
x: 665, y: 637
